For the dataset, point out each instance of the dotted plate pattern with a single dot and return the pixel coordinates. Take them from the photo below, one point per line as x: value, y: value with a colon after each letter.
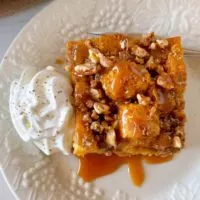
x: 30, y: 174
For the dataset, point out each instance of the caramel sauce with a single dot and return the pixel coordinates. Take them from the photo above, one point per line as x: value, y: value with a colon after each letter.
x: 126, y: 76
x: 59, y: 61
x: 136, y: 170
x: 93, y: 166
x: 157, y: 159
x: 122, y: 72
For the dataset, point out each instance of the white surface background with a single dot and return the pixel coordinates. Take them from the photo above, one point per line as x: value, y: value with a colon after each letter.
x: 9, y: 28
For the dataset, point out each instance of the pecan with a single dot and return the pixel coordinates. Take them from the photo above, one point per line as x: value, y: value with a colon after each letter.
x: 89, y: 103
x: 111, y: 138
x: 86, y: 142
x: 86, y: 118
x: 124, y: 44
x: 103, y: 101
x: 93, y: 83
x: 105, y: 125
x: 153, y: 65
x: 95, y: 93
x: 108, y: 118
x: 165, y: 81
x: 96, y: 126
x: 93, y: 56
x: 86, y: 69
x: 112, y: 58
x: 177, y: 142
x: 101, y: 108
x: 153, y: 46
x: 147, y: 39
x: 124, y: 55
x: 83, y: 109
x: 179, y: 130
x: 140, y: 52
x: 97, y: 77
x: 143, y: 100
x: 162, y: 43
x: 157, y: 60
x: 139, y: 60
x: 103, y: 60
x: 94, y: 115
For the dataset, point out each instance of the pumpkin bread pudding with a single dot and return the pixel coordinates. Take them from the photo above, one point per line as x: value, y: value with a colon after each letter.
x: 129, y: 95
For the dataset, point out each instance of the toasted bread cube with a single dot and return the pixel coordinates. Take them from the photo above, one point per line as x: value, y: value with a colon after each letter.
x: 77, y: 52
x: 125, y: 80
x: 108, y: 43
x: 136, y: 122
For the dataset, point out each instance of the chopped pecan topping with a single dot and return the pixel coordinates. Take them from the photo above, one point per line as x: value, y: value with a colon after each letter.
x: 153, y: 46
x: 153, y: 65
x: 93, y: 56
x: 96, y: 126
x: 95, y: 93
x: 147, y: 39
x: 111, y: 138
x: 124, y: 55
x: 140, y: 52
x: 105, y: 125
x: 143, y: 100
x: 177, y: 142
x: 139, y: 60
x: 86, y: 142
x: 101, y: 108
x: 97, y: 77
x: 89, y: 103
x: 108, y: 118
x: 94, y: 115
x: 165, y: 81
x: 86, y: 69
x: 103, y: 60
x: 124, y: 44
x: 162, y: 43
x: 179, y: 130
x: 103, y: 101
x: 86, y: 118
x: 93, y: 83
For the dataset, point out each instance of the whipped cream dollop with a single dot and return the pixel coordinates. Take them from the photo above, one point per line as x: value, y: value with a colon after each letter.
x: 41, y: 109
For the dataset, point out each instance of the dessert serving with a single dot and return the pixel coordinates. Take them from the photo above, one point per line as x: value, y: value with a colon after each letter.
x: 127, y: 96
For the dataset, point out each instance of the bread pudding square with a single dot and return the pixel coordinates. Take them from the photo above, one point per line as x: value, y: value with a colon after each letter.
x: 129, y: 95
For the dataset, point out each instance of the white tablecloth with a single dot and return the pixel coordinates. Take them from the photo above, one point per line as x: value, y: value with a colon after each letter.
x: 9, y: 28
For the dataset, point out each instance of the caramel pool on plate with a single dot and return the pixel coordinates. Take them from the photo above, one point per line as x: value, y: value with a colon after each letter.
x: 93, y: 166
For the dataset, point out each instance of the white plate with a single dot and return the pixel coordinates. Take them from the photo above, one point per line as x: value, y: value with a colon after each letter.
x: 30, y: 174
